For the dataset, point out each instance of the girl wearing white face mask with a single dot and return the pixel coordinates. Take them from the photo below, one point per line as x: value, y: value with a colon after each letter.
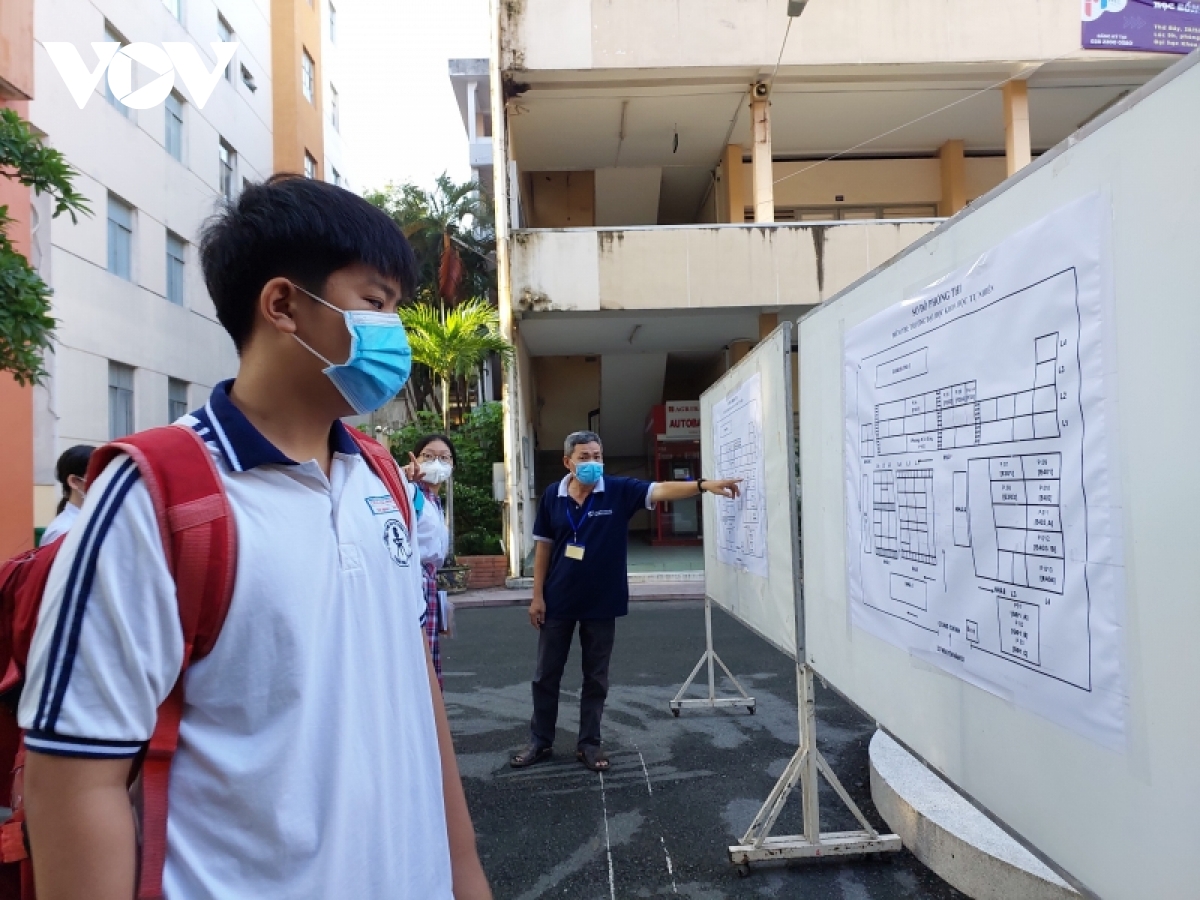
x: 432, y: 464
x: 71, y: 470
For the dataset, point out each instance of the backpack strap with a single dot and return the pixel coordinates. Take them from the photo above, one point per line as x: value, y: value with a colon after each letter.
x: 200, y: 541
x: 380, y: 459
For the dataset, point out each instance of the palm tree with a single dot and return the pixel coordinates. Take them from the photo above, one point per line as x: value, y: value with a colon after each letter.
x: 452, y: 231
x: 454, y: 343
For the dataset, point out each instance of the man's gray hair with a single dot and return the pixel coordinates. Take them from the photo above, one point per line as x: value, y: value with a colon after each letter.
x: 575, y: 438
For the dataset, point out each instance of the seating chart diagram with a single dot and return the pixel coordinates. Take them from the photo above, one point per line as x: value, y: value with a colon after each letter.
x: 975, y: 418
x: 738, y: 440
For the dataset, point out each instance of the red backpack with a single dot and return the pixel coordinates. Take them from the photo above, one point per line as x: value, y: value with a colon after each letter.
x: 199, y: 538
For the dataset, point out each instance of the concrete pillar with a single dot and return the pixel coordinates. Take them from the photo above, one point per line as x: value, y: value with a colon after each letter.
x: 472, y: 92
x: 767, y: 322
x: 954, y: 178
x: 733, y: 184
x: 738, y: 350
x: 1016, y: 126
x: 764, y: 173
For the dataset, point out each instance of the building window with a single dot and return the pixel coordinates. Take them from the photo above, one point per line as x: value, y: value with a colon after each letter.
x: 335, y: 110
x: 177, y: 402
x: 228, y: 170
x: 120, y: 401
x: 111, y: 36
x: 248, y: 80
x: 120, y: 238
x: 175, y: 8
x: 176, y: 258
x: 174, y: 135
x: 225, y: 34
x: 308, y: 77
x: 310, y: 165
x: 332, y: 24
x: 335, y: 176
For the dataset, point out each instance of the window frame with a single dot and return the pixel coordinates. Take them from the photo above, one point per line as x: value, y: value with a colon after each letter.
x: 110, y: 35
x: 124, y: 231
x: 308, y: 76
x: 174, y: 114
x: 226, y: 35
x: 175, y: 8
x: 226, y: 170
x: 335, y: 109
x: 177, y: 407
x: 332, y: 23
x: 176, y: 269
x: 121, y: 401
x: 310, y: 165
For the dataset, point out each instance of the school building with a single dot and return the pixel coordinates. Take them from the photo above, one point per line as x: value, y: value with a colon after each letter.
x: 673, y: 179
x: 137, y: 342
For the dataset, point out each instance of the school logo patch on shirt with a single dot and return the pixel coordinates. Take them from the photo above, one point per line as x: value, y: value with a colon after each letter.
x: 396, y: 538
x: 381, y: 506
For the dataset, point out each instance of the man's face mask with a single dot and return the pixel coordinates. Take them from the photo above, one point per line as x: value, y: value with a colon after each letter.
x: 380, y: 360
x: 589, y: 472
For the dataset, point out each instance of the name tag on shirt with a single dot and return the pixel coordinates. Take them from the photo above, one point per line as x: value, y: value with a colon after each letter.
x: 574, y: 551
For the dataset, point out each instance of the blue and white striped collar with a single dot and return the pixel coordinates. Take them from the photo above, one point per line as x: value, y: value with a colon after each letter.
x: 566, y: 483
x: 241, y: 444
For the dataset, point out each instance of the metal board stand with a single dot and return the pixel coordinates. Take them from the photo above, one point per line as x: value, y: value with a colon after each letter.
x: 757, y: 845
x: 710, y: 657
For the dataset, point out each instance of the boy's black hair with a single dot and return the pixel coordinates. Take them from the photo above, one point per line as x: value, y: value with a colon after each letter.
x: 297, y: 228
x: 429, y: 439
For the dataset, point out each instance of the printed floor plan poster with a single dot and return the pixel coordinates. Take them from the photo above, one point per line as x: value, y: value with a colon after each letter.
x: 983, y: 516
x: 738, y: 439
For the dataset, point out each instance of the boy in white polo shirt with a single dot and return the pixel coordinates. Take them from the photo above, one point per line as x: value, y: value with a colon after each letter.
x: 314, y: 756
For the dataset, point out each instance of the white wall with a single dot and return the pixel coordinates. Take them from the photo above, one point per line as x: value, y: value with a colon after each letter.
x: 634, y: 34
x: 104, y: 317
x: 336, y: 153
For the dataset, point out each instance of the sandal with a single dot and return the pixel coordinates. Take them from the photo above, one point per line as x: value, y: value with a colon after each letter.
x: 593, y: 757
x: 530, y: 756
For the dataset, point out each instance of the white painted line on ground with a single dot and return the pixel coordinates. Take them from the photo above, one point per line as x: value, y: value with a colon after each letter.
x: 612, y: 884
x: 646, y: 772
x: 670, y: 868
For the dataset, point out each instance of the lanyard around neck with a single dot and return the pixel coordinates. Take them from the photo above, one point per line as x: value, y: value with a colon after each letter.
x: 575, y: 526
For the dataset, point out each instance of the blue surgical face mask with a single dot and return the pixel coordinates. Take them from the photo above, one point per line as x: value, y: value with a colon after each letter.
x: 589, y: 472
x: 380, y: 360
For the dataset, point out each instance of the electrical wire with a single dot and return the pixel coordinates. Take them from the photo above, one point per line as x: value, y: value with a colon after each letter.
x: 779, y: 59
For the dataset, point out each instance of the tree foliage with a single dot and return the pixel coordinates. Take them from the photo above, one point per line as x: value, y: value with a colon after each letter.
x: 26, y: 326
x: 453, y: 233
x: 454, y: 343
x: 479, y: 442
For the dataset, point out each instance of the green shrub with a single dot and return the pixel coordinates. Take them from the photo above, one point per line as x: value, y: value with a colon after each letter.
x: 479, y: 442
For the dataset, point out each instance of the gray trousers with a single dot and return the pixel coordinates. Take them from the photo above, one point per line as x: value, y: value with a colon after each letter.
x: 554, y: 644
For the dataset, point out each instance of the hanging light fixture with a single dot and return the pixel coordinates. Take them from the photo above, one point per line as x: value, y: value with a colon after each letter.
x: 795, y: 7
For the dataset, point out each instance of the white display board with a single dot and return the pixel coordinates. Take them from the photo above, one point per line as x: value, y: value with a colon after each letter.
x: 750, y: 543
x: 976, y: 431
x: 1095, y: 780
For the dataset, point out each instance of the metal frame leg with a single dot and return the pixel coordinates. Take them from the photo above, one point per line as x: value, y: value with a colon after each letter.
x: 709, y: 658
x: 803, y: 771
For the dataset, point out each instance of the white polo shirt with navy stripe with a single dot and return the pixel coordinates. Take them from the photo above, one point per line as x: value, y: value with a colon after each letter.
x: 308, y: 761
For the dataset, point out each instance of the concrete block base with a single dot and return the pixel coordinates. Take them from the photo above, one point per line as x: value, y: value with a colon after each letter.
x: 952, y: 837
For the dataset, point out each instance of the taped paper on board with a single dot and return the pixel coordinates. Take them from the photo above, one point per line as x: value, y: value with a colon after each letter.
x: 980, y: 504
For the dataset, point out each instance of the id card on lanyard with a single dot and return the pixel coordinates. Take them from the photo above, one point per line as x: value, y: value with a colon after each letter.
x: 574, y: 548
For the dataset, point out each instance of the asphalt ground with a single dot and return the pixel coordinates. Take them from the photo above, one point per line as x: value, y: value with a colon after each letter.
x: 680, y: 790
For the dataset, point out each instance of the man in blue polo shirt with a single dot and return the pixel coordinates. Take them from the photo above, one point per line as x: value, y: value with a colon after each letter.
x: 580, y: 578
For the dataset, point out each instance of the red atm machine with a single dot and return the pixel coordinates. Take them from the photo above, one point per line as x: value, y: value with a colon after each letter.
x: 673, y: 454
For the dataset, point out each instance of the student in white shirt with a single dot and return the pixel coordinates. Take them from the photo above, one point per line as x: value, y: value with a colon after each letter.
x: 70, y: 471
x: 314, y: 757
